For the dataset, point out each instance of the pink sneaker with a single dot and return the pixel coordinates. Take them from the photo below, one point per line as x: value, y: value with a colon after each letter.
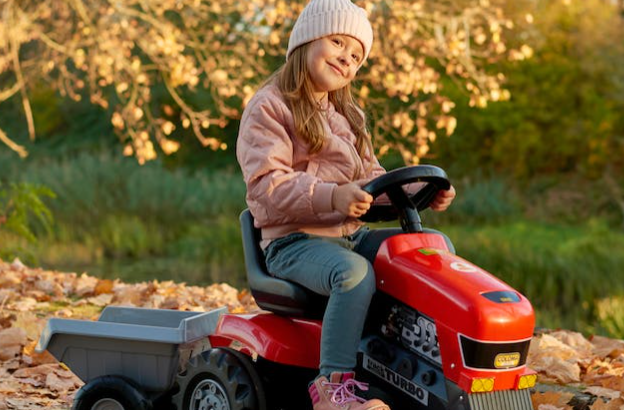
x: 338, y: 393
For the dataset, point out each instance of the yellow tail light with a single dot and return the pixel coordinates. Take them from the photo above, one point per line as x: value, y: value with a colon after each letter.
x: 527, y: 381
x: 482, y: 385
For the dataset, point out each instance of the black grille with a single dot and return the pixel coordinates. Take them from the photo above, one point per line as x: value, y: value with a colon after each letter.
x: 479, y: 355
x: 501, y: 400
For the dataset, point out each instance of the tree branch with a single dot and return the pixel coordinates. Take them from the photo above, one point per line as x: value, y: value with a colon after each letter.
x: 10, y: 92
x: 14, y: 51
x: 21, y: 151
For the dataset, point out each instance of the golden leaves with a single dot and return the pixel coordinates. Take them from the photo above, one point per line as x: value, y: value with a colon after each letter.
x: 117, y: 121
x: 128, y: 46
x: 447, y: 123
x: 567, y: 358
x: 121, y: 50
x: 415, y: 41
x: 525, y: 52
x: 169, y: 146
x: 218, y: 76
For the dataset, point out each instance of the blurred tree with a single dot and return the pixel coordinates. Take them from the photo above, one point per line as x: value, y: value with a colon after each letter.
x: 163, y: 66
x: 565, y: 112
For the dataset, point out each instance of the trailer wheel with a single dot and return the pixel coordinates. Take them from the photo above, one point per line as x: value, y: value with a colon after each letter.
x: 110, y: 393
x: 219, y: 379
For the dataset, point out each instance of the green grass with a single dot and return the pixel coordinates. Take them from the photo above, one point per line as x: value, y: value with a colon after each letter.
x: 90, y: 187
x: 116, y: 219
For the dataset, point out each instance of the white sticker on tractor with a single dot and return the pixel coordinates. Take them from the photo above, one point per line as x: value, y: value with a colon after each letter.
x: 396, y: 380
x: 463, y: 267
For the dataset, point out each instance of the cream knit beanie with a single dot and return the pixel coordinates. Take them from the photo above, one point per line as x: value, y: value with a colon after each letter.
x: 322, y: 18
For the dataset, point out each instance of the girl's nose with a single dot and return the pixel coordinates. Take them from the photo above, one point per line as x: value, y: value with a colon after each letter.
x: 344, y: 60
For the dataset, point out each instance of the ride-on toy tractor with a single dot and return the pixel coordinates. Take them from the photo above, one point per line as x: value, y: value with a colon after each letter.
x: 441, y: 333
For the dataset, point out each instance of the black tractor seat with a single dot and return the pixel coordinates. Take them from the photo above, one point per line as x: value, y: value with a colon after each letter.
x: 273, y: 294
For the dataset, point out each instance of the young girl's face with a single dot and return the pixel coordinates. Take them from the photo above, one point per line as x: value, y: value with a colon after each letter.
x: 332, y: 62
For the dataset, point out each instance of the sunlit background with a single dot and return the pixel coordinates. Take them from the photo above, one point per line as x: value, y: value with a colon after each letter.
x: 118, y: 123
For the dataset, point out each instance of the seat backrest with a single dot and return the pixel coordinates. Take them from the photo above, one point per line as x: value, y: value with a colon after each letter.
x: 276, y: 295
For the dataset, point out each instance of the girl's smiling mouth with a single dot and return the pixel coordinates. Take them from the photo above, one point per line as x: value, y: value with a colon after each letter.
x: 338, y: 70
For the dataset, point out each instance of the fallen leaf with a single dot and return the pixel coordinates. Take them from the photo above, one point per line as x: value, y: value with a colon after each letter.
x: 50, y: 288
x: 549, y: 407
x: 9, y: 279
x: 573, y: 339
x: 552, y: 368
x: 11, y: 342
x: 602, y: 392
x: 35, y: 382
x: 606, y: 347
x: 11, y: 364
x: 85, y: 285
x: 102, y: 299
x: 18, y: 265
x: 32, y: 358
x: 28, y: 403
x: 61, y: 384
x: 25, y: 304
x: 104, y: 286
x: 601, y: 404
x: 37, y: 371
x: 130, y: 295
x: 547, y: 345
x: 613, y: 382
x: 554, y: 399
x: 31, y: 323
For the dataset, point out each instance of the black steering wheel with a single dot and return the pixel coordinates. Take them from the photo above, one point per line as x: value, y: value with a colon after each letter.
x: 403, y: 206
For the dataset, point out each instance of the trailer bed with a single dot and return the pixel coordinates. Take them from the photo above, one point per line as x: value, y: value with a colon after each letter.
x: 142, y: 345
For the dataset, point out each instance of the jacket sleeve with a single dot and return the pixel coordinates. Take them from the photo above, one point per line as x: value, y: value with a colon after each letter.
x: 277, y: 193
x: 374, y: 169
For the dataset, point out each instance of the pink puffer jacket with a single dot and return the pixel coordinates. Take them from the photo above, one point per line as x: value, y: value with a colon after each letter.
x: 289, y: 190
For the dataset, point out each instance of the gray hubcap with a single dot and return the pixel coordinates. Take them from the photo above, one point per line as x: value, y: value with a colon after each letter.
x: 209, y: 395
x: 107, y: 404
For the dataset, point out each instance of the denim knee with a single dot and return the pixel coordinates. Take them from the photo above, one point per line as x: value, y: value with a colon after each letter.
x: 351, y: 273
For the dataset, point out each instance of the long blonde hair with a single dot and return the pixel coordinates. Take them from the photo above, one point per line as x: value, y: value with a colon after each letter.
x: 293, y: 81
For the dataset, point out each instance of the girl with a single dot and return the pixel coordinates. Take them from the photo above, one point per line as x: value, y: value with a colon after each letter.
x: 305, y: 152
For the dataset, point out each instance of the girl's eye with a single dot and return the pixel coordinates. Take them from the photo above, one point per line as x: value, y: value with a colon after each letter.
x: 337, y: 41
x: 355, y: 58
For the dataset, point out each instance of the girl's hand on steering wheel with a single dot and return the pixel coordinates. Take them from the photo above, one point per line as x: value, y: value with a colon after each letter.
x: 351, y: 200
x: 443, y: 200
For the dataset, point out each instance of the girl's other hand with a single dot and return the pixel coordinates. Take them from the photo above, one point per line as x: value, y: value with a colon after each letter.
x: 351, y: 200
x: 443, y: 199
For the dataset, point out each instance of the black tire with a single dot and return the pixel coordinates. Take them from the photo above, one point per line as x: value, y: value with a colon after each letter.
x: 110, y: 393
x: 219, y: 378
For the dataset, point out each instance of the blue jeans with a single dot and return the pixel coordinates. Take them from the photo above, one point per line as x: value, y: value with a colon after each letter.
x: 340, y: 268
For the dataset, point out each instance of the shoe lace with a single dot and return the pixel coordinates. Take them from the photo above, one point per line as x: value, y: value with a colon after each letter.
x: 343, y: 393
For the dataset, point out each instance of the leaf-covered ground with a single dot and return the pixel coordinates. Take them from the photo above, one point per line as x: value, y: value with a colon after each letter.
x: 574, y: 372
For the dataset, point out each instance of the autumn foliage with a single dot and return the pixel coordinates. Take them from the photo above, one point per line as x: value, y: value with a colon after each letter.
x: 163, y: 68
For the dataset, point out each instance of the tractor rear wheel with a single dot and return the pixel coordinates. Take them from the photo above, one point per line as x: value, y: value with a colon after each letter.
x: 219, y: 379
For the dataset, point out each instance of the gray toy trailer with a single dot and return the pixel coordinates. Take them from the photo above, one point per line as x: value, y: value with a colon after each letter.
x: 129, y: 358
